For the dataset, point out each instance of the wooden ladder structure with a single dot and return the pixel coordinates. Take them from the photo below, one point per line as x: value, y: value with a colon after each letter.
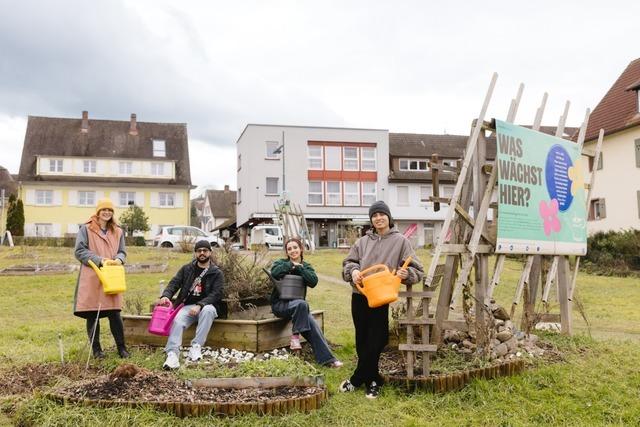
x: 470, y: 245
x: 293, y: 222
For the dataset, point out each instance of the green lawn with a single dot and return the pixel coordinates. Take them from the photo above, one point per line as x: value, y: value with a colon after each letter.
x: 597, y: 384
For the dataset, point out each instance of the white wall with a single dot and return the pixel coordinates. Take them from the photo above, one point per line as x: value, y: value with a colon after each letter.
x: 255, y: 168
x: 617, y: 182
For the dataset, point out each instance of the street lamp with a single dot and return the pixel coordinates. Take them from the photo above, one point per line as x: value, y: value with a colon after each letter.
x: 280, y: 150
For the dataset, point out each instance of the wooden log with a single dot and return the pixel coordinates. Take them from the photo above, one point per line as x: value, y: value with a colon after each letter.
x: 258, y: 382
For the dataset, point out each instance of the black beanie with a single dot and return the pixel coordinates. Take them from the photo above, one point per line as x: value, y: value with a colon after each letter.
x: 380, y: 206
x: 202, y: 244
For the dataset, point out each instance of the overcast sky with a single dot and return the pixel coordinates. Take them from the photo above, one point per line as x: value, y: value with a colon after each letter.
x: 406, y: 66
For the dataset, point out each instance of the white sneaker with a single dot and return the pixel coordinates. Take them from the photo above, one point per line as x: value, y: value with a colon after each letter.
x: 172, y: 361
x: 195, y: 353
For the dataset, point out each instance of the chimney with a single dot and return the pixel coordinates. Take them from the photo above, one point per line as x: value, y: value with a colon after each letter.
x: 133, y: 129
x: 85, y: 122
x: 226, y: 188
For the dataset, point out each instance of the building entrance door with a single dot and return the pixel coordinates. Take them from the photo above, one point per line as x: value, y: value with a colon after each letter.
x: 323, y: 235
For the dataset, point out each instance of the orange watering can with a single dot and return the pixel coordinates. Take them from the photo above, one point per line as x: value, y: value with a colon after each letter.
x: 381, y: 286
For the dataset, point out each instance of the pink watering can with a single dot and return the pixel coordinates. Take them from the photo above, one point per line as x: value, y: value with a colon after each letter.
x: 162, y: 318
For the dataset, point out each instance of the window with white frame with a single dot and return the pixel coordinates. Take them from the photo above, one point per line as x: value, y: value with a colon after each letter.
x: 426, y: 191
x: 413, y: 165
x: 403, y: 195
x: 350, y: 158
x: 272, y: 186
x: 55, y: 165
x: 127, y: 198
x: 368, y: 193
x: 157, y: 169
x: 450, y: 162
x: 159, y: 148
x: 315, y: 157
x: 332, y: 158
x: 44, y: 230
x: 446, y: 191
x: 368, y: 162
x: 44, y: 197
x: 167, y: 199
x: 351, y: 193
x: 272, y: 146
x: 315, y: 193
x: 334, y: 193
x: 125, y: 168
x: 89, y: 166
x: 86, y: 198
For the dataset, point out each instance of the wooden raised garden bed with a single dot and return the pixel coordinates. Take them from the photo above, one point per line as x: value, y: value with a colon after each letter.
x: 249, y: 335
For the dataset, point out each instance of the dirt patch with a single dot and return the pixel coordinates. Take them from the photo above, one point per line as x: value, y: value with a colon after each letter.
x: 132, y: 383
x: 25, y: 379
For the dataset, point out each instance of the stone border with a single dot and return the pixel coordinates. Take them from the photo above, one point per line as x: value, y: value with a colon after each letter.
x: 187, y: 409
x: 443, y: 383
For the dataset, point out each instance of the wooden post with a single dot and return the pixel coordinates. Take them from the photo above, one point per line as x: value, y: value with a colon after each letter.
x: 435, y: 181
x: 564, y: 279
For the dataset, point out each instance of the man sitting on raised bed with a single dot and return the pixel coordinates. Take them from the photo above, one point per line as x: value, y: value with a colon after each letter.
x: 200, y: 290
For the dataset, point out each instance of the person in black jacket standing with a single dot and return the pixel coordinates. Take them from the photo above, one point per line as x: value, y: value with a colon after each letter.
x: 200, y: 286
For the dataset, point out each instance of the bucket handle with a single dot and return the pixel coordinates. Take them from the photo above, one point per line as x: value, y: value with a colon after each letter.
x: 405, y: 265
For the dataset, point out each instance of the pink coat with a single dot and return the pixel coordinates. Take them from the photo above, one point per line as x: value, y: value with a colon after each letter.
x: 92, y: 244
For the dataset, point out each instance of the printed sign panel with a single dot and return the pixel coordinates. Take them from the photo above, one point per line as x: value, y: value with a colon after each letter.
x: 541, y: 197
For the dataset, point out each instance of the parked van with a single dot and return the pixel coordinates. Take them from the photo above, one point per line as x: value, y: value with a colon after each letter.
x: 269, y: 235
x: 272, y: 237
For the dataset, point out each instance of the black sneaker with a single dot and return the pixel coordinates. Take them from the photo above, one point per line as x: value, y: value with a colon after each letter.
x: 373, y: 390
x: 346, y: 386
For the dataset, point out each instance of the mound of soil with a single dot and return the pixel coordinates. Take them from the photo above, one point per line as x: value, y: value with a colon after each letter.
x: 25, y: 379
x: 130, y: 383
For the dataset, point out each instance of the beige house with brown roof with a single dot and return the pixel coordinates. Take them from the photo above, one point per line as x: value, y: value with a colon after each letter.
x: 615, y: 199
x: 219, y: 207
x: 69, y: 164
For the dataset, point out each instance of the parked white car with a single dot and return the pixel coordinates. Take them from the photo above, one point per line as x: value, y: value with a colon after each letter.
x: 171, y: 236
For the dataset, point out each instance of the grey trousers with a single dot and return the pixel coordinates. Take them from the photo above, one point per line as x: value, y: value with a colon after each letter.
x: 183, y: 320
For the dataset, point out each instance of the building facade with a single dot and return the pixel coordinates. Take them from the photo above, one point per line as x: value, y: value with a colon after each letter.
x: 219, y: 207
x: 69, y: 164
x: 615, y: 198
x: 332, y: 174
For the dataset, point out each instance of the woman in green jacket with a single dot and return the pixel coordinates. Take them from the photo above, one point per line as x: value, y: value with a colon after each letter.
x: 298, y: 309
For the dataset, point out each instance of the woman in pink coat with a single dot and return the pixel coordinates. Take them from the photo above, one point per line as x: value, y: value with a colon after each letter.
x: 100, y: 240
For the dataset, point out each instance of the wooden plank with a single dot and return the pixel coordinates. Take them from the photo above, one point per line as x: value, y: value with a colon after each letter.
x: 566, y: 327
x: 257, y: 382
x: 458, y: 248
x: 482, y: 279
x: 417, y: 294
x: 495, y: 280
x: 418, y: 347
x: 551, y: 277
x: 471, y: 143
x: 429, y: 321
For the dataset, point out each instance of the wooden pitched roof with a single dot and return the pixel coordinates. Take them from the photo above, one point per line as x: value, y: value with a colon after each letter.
x: 618, y: 109
x: 53, y: 136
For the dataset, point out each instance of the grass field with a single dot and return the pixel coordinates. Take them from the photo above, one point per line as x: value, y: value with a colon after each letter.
x: 597, y: 384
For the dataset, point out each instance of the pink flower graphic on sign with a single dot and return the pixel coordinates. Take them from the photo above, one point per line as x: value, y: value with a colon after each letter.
x: 549, y: 214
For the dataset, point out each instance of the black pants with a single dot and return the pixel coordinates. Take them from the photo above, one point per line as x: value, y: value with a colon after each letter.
x: 372, y: 335
x: 116, y: 326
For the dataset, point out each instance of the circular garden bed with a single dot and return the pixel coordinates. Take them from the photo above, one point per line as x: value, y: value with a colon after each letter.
x: 131, y: 386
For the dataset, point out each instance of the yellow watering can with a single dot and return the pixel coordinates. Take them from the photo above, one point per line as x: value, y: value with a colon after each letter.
x: 381, y: 286
x: 111, y: 277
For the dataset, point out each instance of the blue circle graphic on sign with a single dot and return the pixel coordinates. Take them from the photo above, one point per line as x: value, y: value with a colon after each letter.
x: 557, y: 176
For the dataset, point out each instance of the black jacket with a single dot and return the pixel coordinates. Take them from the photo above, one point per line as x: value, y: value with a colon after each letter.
x: 213, y: 282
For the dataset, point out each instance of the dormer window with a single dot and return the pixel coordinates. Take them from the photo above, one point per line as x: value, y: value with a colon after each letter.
x: 159, y: 148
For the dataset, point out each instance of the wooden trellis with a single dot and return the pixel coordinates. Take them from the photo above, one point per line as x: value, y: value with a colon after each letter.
x: 467, y: 243
x: 293, y: 222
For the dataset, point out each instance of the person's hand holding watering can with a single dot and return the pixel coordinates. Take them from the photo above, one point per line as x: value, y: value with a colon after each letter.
x: 402, y: 272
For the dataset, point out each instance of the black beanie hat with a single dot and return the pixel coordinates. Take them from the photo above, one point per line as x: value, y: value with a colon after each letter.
x: 202, y: 244
x: 380, y: 206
